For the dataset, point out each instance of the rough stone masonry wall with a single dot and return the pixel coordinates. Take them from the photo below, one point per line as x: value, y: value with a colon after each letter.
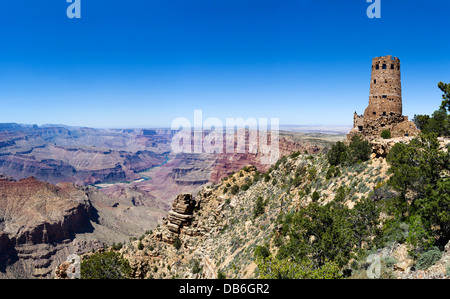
x: 376, y: 126
x: 385, y: 96
x: 399, y: 126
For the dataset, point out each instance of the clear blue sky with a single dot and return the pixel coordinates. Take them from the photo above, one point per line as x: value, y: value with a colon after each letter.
x: 144, y: 63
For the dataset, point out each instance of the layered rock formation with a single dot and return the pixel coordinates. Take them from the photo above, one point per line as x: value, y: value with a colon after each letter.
x: 35, y: 212
x: 79, y: 155
x: 181, y: 213
x: 35, y: 219
x: 81, y: 166
x: 41, y: 224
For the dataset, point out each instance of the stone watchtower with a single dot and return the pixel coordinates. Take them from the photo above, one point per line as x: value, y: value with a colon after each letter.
x: 385, y: 96
x: 384, y: 111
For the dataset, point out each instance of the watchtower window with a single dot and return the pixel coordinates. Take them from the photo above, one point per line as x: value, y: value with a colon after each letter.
x: 385, y: 81
x: 392, y: 66
x: 377, y: 66
x: 374, y: 113
x: 384, y: 96
x: 384, y: 66
x: 384, y: 113
x: 360, y: 128
x: 374, y: 81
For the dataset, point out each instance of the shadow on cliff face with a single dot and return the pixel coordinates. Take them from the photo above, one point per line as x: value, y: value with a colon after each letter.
x: 80, y: 223
x: 94, y: 217
x: 55, y: 233
x: 8, y: 254
x: 53, y: 236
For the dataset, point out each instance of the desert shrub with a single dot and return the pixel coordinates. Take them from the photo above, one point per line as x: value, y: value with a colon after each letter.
x: 234, y: 189
x: 245, y: 187
x: 117, y: 246
x: 140, y: 246
x: 297, y: 180
x: 393, y: 231
x: 307, y: 189
x: 315, y: 196
x: 386, y: 134
x: 196, y: 268
x: 419, y: 237
x: 362, y: 188
x: 272, y: 268
x: 337, y: 154
x: 295, y: 154
x: 261, y: 252
x: 312, y: 173
x: 256, y: 177
x: 341, y: 194
x: 259, y: 207
x: 221, y: 275
x: 330, y: 172
x: 360, y: 150
x: 428, y: 259
x: 105, y: 265
x: 177, y: 243
x: 390, y: 261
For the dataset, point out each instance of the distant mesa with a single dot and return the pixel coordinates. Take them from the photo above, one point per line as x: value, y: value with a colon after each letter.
x: 384, y: 111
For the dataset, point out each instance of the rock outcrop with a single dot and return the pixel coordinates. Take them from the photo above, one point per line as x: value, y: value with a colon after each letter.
x: 42, y: 224
x: 381, y: 147
x: 37, y: 212
x: 181, y: 213
x: 36, y: 219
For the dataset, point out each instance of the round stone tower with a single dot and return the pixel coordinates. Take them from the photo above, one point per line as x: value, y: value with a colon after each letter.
x: 385, y: 97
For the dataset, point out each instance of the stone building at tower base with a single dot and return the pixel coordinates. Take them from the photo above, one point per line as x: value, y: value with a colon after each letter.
x: 398, y: 125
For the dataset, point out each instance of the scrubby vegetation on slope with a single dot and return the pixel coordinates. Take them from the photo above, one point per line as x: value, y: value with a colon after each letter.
x: 317, y: 216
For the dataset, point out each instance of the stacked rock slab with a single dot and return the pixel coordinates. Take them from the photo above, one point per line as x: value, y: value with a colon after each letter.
x: 181, y: 213
x: 384, y: 111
